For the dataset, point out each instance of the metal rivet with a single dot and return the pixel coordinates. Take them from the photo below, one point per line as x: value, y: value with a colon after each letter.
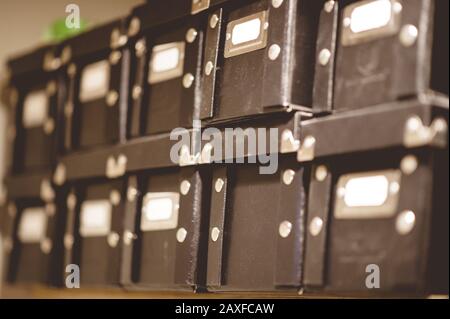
x: 47, y: 193
x: 66, y: 54
x: 71, y: 201
x: 188, y: 79
x: 307, y: 149
x: 12, y: 210
x: 137, y: 91
x: 409, y: 164
x: 285, y: 229
x: 309, y: 141
x: 209, y: 68
x: 341, y: 192
x: 122, y: 160
x: 50, y: 62
x: 315, y: 227
x: 115, y: 38
x: 72, y: 70
x: 135, y: 26
x: 191, y: 35
x: 113, y: 239
x: 111, y: 98
x: 329, y: 6
x: 288, y: 176
x: 405, y: 222
x: 68, y: 110
x: 347, y: 21
x: 185, y: 186
x: 321, y: 173
x: 228, y: 36
x: 128, y: 237
x: 51, y: 88
x: 439, y: 125
x: 46, y: 246
x: 54, y: 64
x: 140, y: 48
x: 408, y: 35
x: 114, y: 197
x: 274, y: 52
x: 215, y: 233
x: 394, y: 187
x: 68, y: 241
x: 132, y: 194
x: 218, y: 185
x: 213, y: 21
x: 414, y: 123
x: 50, y: 209
x: 115, y: 57
x: 277, y: 3
x: 324, y: 57
x: 397, y: 7
x: 181, y: 235
x: 49, y: 126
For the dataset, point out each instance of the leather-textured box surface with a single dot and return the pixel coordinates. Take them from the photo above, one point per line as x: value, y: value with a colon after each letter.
x: 403, y: 53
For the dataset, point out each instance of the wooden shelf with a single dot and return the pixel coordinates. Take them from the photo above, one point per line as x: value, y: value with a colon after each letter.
x: 43, y: 292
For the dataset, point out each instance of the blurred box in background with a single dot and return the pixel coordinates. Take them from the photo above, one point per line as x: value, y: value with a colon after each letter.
x: 26, y: 24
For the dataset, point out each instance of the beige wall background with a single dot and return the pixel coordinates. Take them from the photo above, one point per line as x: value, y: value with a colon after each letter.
x: 23, y: 24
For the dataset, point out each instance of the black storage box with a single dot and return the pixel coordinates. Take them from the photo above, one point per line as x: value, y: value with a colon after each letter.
x: 33, y: 236
x: 390, y: 50
x: 166, y: 60
x: 97, y: 81
x: 93, y: 231
x: 166, y: 230
x: 35, y: 91
x: 378, y: 200
x: 256, y: 228
x: 259, y: 58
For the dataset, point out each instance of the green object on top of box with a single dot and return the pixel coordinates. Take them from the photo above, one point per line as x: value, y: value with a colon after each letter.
x: 58, y: 30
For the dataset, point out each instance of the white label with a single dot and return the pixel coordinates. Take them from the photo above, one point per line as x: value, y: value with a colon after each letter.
x: 167, y: 62
x: 246, y: 31
x: 165, y: 59
x: 33, y: 225
x: 247, y: 34
x: 94, y: 81
x: 373, y: 15
x: 366, y: 191
x: 35, y: 109
x: 95, y: 219
x: 160, y: 211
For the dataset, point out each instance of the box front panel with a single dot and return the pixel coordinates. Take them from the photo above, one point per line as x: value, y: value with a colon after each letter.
x: 99, y: 228
x: 167, y: 83
x: 266, y: 50
x: 34, y: 247
x: 158, y: 244
x: 241, y: 74
x: 36, y: 123
x: 261, y: 225
x: 97, y: 98
x: 383, y: 47
x: 379, y: 224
